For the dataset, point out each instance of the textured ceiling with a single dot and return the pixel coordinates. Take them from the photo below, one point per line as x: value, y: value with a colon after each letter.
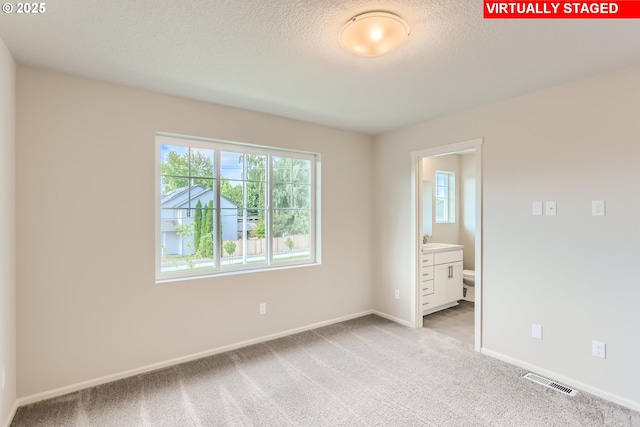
x: 283, y: 56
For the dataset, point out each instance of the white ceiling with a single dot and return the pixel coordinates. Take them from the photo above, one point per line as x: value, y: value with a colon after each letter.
x: 283, y: 56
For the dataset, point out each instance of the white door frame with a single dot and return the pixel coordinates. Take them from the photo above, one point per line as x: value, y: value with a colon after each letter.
x: 416, y: 228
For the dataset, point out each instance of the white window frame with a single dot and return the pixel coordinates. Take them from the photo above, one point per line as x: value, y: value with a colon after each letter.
x: 450, y: 199
x: 269, y: 152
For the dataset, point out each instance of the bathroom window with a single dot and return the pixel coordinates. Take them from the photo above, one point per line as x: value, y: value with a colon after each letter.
x: 445, y: 197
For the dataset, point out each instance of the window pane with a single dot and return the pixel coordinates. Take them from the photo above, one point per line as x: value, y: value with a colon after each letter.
x: 178, y: 242
x: 301, y: 196
x: 256, y: 196
x: 252, y: 233
x: 290, y: 221
x: 229, y: 222
x: 440, y: 210
x: 245, y: 188
x: 281, y: 169
x: 301, y: 172
x: 282, y: 196
x: 255, y: 167
x: 233, y: 193
x: 171, y: 184
x: 169, y: 240
x: 204, y: 224
x: 231, y: 165
x: 231, y: 250
x: 174, y: 160
x: 202, y: 193
x: 231, y: 253
x: 201, y: 162
x: 291, y: 235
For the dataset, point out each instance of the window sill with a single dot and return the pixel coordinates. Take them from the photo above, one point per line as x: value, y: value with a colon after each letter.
x: 234, y: 273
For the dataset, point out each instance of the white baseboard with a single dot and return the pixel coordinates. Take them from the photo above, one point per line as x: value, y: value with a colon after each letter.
x: 12, y: 414
x: 393, y: 319
x: 155, y: 366
x: 580, y: 386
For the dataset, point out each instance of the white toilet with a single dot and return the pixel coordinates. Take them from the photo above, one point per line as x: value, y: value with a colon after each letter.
x: 468, y: 283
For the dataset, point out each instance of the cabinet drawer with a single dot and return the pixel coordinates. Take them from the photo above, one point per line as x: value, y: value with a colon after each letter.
x: 426, y: 259
x: 426, y: 288
x: 426, y: 273
x: 446, y: 257
x: 426, y: 301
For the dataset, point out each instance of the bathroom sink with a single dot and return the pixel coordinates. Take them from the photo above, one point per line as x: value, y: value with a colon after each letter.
x: 437, y: 245
x: 431, y: 247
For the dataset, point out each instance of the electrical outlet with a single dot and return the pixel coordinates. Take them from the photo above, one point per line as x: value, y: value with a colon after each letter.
x: 397, y: 293
x: 536, y: 331
x: 4, y: 377
x: 598, y: 349
x: 597, y: 208
x: 263, y: 308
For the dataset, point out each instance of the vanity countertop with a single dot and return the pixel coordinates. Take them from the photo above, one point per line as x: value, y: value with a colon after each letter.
x: 440, y: 247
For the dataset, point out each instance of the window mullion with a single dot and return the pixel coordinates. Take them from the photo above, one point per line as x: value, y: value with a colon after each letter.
x: 245, y: 178
x: 268, y: 232
x: 217, y: 227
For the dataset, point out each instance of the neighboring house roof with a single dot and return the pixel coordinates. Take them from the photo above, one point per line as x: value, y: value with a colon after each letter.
x: 179, y: 199
x: 176, y: 196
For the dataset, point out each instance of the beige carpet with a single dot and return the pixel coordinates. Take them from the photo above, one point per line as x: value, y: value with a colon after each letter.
x: 363, y: 372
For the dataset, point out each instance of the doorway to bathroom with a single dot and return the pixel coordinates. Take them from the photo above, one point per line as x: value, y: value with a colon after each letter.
x: 447, y: 215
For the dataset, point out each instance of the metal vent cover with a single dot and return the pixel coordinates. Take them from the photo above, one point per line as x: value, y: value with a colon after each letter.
x: 551, y: 384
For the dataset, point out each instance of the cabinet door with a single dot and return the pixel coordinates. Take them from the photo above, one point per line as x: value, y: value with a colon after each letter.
x: 440, y: 278
x: 454, y: 282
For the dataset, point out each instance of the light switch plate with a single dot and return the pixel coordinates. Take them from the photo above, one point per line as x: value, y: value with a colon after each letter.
x: 550, y: 208
x: 537, y: 208
x: 536, y: 331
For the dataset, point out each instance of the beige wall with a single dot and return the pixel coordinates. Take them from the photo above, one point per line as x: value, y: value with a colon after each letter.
x: 8, y: 240
x: 443, y: 232
x: 575, y: 274
x: 88, y: 305
x: 463, y: 230
x: 468, y: 209
x: 87, y: 302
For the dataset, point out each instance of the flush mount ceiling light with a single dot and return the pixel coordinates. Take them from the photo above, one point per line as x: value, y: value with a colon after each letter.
x: 374, y: 33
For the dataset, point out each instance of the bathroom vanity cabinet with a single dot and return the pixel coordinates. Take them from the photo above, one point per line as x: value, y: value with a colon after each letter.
x: 440, y: 283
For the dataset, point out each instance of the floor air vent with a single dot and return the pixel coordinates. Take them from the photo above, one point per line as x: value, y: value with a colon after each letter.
x: 551, y: 384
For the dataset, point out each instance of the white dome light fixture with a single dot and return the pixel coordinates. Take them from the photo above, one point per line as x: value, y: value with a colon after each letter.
x: 374, y: 33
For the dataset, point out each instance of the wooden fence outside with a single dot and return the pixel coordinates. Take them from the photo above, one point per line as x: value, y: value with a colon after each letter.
x: 259, y: 246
